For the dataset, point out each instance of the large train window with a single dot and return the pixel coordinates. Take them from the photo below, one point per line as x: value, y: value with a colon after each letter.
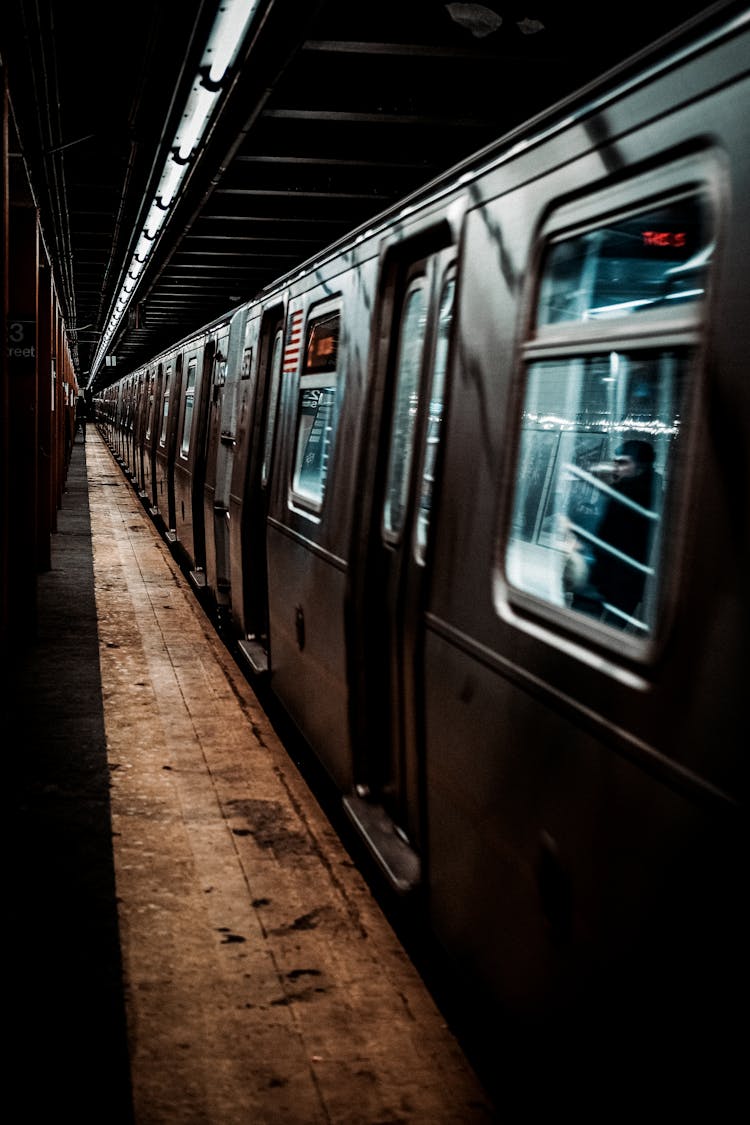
x: 316, y: 414
x: 606, y: 390
x: 189, y: 404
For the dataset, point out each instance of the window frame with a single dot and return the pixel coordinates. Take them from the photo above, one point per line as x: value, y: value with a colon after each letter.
x: 165, y: 401
x: 392, y: 530
x: 303, y: 501
x: 187, y: 418
x: 430, y: 462
x: 682, y: 329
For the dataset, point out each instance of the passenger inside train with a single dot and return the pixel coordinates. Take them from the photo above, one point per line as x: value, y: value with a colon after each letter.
x: 618, y: 554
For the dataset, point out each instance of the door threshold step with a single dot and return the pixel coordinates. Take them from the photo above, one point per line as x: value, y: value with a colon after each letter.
x: 397, y: 859
x: 198, y: 578
x: 255, y: 655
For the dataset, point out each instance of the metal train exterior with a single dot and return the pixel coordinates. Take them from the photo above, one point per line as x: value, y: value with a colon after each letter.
x: 379, y: 472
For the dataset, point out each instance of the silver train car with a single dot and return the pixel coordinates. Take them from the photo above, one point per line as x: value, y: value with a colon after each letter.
x: 470, y: 492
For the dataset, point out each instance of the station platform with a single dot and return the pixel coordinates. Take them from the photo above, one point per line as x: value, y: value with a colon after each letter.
x: 190, y: 940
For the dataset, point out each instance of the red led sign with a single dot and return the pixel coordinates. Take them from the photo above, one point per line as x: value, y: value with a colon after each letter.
x: 668, y: 238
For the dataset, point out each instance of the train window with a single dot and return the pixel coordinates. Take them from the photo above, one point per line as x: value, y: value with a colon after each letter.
x: 435, y: 420
x: 220, y: 364
x: 600, y: 424
x: 149, y: 405
x: 247, y: 350
x: 405, y: 407
x: 273, y: 402
x: 165, y: 409
x: 316, y: 415
x: 638, y: 262
x: 189, y: 404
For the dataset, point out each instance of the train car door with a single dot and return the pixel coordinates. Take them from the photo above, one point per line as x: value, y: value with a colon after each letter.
x: 127, y: 429
x: 167, y: 445
x: 141, y: 432
x: 149, y: 472
x: 197, y: 460
x: 254, y: 645
x: 213, y: 510
x: 391, y: 563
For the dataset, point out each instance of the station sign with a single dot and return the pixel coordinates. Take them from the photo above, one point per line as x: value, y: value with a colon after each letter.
x: 21, y: 343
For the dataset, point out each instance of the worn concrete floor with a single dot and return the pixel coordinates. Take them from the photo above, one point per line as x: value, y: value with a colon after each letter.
x: 194, y: 944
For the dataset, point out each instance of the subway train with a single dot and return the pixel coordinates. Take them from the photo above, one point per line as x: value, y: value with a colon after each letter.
x: 468, y: 493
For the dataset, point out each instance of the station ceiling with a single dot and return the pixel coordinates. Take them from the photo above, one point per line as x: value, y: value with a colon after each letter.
x: 334, y: 111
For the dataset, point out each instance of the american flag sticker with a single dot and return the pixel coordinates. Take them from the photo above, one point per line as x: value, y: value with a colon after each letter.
x: 293, y: 342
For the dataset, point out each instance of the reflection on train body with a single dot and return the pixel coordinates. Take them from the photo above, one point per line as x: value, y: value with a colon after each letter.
x: 390, y: 475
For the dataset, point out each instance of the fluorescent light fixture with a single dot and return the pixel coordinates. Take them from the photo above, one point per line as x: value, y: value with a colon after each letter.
x: 142, y: 250
x: 171, y: 178
x: 232, y: 22
x: 155, y: 221
x: 197, y: 112
x: 229, y: 30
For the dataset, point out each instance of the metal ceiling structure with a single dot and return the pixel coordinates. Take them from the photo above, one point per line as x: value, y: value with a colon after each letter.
x: 333, y: 111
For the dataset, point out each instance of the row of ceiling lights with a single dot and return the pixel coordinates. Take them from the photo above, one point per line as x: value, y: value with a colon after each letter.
x: 229, y: 30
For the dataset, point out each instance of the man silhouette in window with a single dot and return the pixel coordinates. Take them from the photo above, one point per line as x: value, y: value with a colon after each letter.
x: 621, y: 545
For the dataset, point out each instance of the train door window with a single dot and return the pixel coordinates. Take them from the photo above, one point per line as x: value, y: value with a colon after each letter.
x: 149, y: 406
x: 165, y: 408
x: 405, y: 407
x: 273, y: 402
x: 247, y: 350
x: 220, y: 362
x: 189, y: 404
x: 316, y: 411
x: 151, y: 397
x: 607, y: 374
x: 218, y: 376
x: 435, y: 419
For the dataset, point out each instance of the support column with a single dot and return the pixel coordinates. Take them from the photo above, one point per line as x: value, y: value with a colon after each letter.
x: 22, y: 402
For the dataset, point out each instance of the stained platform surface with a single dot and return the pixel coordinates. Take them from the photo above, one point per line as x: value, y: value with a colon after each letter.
x: 191, y: 941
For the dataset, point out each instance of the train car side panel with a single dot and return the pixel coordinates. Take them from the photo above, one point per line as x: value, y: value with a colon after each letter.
x: 581, y: 798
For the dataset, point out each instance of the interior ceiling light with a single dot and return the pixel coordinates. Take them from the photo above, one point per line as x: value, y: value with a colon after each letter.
x: 233, y: 19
